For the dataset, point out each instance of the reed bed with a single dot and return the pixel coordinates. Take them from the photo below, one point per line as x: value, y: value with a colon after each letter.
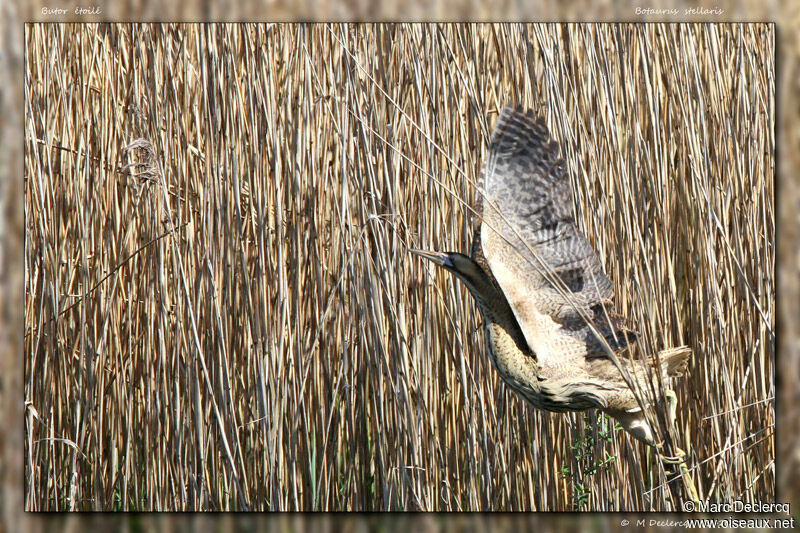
x: 221, y: 313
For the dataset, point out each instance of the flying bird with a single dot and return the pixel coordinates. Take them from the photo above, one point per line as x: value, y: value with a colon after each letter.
x: 551, y: 328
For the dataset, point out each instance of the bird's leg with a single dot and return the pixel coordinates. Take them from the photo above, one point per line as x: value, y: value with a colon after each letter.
x: 672, y: 411
x: 680, y: 456
x: 672, y: 406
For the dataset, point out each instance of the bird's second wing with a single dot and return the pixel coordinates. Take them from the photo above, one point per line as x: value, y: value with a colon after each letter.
x: 547, y: 269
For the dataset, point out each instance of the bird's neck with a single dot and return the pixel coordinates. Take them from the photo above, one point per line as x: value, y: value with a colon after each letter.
x: 491, y: 301
x: 494, y: 307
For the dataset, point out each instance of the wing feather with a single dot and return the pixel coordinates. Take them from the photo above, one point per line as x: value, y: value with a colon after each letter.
x: 545, y: 266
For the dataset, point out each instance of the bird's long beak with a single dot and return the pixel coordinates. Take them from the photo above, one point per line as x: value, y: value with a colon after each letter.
x: 440, y: 258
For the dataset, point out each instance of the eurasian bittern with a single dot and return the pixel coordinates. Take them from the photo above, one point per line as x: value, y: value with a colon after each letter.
x: 547, y: 306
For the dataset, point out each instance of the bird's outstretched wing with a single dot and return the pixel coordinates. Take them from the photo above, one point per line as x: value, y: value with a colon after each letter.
x: 551, y: 276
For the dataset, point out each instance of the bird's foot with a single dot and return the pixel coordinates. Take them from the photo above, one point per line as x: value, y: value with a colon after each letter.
x: 678, y: 458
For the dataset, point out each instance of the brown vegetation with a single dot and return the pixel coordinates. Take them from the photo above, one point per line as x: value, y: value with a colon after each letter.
x: 222, y: 314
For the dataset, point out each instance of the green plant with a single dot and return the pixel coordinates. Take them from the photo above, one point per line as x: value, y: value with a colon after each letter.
x: 585, y: 448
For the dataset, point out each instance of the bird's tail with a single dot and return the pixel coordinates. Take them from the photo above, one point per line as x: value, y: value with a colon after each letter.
x: 674, y: 360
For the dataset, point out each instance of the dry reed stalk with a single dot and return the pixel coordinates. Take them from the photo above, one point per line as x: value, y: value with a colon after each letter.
x: 281, y: 351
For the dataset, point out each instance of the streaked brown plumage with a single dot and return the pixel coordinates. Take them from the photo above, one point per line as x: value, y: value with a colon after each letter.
x: 551, y: 328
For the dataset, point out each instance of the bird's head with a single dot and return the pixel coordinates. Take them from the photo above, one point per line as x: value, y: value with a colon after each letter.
x: 462, y: 266
x: 448, y: 260
x: 459, y: 264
